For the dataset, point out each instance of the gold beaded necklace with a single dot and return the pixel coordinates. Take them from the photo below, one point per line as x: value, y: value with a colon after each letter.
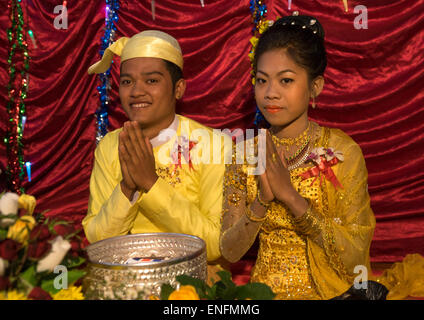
x: 300, y: 140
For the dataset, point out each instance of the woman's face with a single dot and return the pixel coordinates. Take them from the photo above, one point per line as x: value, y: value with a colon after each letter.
x: 282, y: 88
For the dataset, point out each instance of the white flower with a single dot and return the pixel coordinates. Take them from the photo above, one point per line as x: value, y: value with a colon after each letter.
x: 316, y: 154
x: 8, y: 206
x: 320, y: 151
x: 330, y: 154
x: 9, y: 203
x: 60, y: 248
x: 3, y: 265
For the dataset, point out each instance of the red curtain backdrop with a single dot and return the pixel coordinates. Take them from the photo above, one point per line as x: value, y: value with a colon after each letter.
x: 373, y: 92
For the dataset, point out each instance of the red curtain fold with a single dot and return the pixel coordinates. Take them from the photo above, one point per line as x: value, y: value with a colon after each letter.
x: 373, y: 92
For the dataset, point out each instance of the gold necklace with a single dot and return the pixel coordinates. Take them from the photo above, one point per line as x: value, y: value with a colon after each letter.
x: 300, y: 140
x: 299, y: 153
x: 301, y: 161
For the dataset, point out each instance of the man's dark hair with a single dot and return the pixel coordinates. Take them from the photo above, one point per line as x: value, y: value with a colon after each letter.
x: 175, y: 72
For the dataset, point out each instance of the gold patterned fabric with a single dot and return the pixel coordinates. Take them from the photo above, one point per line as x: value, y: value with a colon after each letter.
x: 186, y: 198
x: 314, y: 256
x: 404, y: 278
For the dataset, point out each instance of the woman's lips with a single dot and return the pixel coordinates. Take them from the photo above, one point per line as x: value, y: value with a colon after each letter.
x: 273, y: 109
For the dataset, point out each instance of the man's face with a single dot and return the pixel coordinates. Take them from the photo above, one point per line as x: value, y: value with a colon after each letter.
x: 146, y: 92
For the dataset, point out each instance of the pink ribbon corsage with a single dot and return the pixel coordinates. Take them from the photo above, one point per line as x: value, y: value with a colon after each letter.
x: 324, y: 159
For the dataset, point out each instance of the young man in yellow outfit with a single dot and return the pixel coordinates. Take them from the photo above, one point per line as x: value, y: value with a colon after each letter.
x: 146, y: 177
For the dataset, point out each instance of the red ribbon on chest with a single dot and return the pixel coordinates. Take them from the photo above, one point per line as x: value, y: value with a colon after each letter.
x: 323, y: 170
x: 186, y: 154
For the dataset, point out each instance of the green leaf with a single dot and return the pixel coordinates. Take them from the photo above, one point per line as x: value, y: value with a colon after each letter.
x: 226, y: 277
x: 226, y: 289
x: 3, y: 234
x: 254, y: 291
x: 211, y: 292
x: 199, y: 285
x: 72, y: 262
x: 47, y: 285
x: 73, y: 275
x: 185, y: 280
x: 29, y: 276
x: 165, y: 291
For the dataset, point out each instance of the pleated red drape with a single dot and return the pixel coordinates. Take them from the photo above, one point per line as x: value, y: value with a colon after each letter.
x: 373, y: 91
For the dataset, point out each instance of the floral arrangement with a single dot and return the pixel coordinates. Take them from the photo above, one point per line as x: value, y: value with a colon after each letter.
x: 190, y: 288
x: 324, y: 159
x: 43, y: 259
x: 40, y: 258
x: 262, y: 26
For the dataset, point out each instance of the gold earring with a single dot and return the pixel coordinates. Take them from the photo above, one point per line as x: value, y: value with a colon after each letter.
x: 313, y: 103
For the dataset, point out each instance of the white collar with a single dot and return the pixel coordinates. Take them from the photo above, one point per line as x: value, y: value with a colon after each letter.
x: 158, y: 140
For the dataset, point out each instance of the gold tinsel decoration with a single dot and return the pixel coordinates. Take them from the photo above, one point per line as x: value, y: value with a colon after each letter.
x: 345, y: 5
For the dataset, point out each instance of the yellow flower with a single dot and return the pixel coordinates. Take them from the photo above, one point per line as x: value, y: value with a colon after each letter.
x: 72, y: 293
x: 251, y: 55
x: 153, y: 297
x: 184, y: 293
x: 13, y: 295
x: 21, y: 229
x: 264, y: 25
x: 27, y: 202
x: 254, y: 41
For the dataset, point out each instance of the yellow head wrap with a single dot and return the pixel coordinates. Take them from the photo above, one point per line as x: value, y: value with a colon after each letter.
x: 146, y: 44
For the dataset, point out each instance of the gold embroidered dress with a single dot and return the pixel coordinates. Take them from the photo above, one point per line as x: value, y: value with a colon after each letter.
x: 314, y: 256
x: 186, y: 198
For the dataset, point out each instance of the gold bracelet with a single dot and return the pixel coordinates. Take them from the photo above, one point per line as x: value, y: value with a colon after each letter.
x: 263, y: 204
x: 250, y: 215
x: 307, y: 223
x: 303, y: 220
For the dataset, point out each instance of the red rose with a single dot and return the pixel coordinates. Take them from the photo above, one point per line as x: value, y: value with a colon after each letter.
x: 9, y: 249
x: 64, y: 229
x: 40, y: 232
x: 75, y: 247
x: 4, y: 283
x: 85, y: 243
x: 39, y: 294
x: 37, y: 250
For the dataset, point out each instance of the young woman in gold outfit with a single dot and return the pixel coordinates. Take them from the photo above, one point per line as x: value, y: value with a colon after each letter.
x: 311, y: 206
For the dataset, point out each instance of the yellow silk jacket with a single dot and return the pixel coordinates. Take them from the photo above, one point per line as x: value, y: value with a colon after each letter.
x: 319, y: 255
x: 186, y: 198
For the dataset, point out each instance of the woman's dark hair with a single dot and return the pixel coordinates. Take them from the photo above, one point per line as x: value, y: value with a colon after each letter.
x: 302, y: 37
x: 175, y: 72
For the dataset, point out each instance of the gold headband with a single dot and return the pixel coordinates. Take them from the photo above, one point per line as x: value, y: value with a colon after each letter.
x: 146, y: 44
